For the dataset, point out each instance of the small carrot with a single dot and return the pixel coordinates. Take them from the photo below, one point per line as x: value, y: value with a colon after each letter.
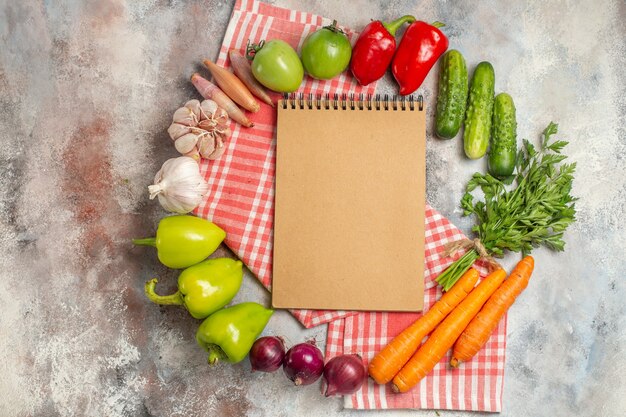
x: 232, y: 86
x: 210, y: 91
x: 479, y: 330
x: 392, y: 358
x: 444, y: 336
x: 243, y: 70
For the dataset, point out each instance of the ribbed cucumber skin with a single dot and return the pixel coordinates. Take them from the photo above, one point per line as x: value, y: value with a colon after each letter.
x: 503, y: 148
x: 479, y: 110
x: 452, y: 96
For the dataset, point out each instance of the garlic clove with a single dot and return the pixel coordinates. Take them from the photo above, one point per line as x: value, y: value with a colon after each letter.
x: 207, y: 124
x: 185, y: 116
x: 209, y: 107
x: 206, y: 145
x: 176, y: 130
x: 194, y: 153
x: 219, y: 149
x: 186, y: 143
x: 194, y: 106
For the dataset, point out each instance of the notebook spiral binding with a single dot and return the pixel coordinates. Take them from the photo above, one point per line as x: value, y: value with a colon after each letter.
x: 351, y: 101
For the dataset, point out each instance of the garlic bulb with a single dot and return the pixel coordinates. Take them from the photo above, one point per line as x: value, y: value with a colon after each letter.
x: 200, y: 129
x: 179, y: 185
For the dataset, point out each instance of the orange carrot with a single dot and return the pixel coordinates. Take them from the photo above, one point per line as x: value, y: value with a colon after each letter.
x: 210, y: 91
x: 243, y: 70
x: 444, y: 336
x: 392, y: 358
x: 232, y: 86
x: 479, y: 330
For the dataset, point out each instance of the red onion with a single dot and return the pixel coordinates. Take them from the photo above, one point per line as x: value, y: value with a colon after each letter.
x: 344, y: 374
x: 304, y: 363
x: 267, y: 354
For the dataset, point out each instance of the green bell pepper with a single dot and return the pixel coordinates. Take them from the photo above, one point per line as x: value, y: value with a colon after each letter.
x: 228, y: 334
x: 203, y: 288
x: 182, y: 241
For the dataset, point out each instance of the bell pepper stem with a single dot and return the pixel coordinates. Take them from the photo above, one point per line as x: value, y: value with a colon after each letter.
x: 172, y: 299
x: 215, y: 353
x: 438, y: 24
x: 393, y: 26
x: 149, y: 241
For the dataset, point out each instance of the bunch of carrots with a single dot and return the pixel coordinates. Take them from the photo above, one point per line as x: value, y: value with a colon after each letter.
x: 463, y: 318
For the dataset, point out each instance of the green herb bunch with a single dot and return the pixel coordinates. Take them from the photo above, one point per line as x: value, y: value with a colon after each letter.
x: 534, y: 212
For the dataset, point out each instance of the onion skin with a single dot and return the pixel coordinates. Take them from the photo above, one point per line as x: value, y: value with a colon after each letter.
x: 210, y: 91
x: 232, y: 86
x: 243, y: 70
x: 304, y: 363
x: 267, y: 354
x: 344, y: 374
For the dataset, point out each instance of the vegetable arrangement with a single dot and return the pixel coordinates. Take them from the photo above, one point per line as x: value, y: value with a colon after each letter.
x: 206, y: 286
x: 374, y: 49
x: 464, y: 317
x: 303, y: 364
x: 228, y: 334
x: 395, y: 355
x: 484, y: 323
x: 444, y: 336
x: 535, y: 211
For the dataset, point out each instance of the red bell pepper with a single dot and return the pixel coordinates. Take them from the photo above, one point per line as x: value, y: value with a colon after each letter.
x: 420, y: 47
x: 374, y: 49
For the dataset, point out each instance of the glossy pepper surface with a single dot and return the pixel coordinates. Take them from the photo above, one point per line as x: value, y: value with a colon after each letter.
x: 203, y: 288
x: 374, y: 49
x: 182, y: 241
x: 228, y: 334
x: 421, y: 46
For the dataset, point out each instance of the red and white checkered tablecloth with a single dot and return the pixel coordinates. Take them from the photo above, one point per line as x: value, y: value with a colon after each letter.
x: 241, y: 201
x: 241, y: 194
x: 475, y: 385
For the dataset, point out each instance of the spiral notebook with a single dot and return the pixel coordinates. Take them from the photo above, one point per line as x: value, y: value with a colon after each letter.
x: 349, y: 203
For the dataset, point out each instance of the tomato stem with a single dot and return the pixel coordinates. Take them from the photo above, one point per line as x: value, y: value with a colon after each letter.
x: 334, y: 28
x: 253, y: 48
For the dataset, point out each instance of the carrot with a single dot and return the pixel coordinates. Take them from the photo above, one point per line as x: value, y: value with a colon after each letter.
x: 479, y: 330
x: 232, y: 86
x: 392, y: 358
x: 210, y: 91
x: 243, y: 70
x: 444, y: 336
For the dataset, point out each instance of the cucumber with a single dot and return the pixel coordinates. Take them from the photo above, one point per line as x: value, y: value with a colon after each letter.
x: 452, y: 97
x: 479, y: 110
x: 503, y: 148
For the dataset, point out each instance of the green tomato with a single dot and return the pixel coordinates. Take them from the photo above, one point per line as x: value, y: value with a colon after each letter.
x: 277, y: 66
x: 326, y: 52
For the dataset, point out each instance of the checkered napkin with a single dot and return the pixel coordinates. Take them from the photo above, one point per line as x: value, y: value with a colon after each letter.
x: 241, y: 193
x: 475, y: 385
x: 241, y: 201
